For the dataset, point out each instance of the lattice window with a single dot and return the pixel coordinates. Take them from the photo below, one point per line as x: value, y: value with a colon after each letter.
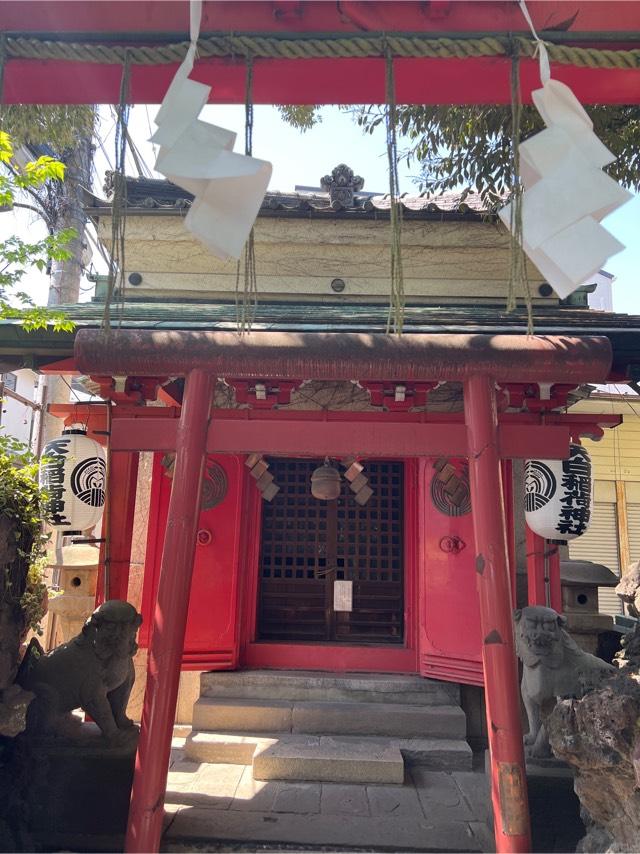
x: 308, y: 544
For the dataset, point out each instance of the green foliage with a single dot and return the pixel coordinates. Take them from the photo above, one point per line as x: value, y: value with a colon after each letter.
x: 59, y: 124
x: 22, y: 504
x: 33, y: 600
x: 469, y: 148
x: 301, y: 117
x: 18, y: 256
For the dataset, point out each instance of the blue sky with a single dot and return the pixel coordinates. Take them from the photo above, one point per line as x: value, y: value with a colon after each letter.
x: 302, y: 158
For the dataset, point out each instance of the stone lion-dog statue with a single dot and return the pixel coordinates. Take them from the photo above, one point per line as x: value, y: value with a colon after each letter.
x: 93, y: 671
x: 553, y: 667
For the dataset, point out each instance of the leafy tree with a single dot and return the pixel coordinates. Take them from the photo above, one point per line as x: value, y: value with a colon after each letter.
x: 66, y: 132
x: 22, y: 541
x: 468, y: 148
x: 17, y: 256
x: 59, y: 125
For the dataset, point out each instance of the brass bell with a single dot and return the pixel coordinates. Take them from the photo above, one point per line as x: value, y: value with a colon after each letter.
x: 325, y: 482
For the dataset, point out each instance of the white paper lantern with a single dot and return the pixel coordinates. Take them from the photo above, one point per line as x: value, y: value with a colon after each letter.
x: 73, y: 472
x: 559, y: 495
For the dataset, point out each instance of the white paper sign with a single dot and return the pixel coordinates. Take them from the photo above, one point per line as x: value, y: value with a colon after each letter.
x: 343, y: 595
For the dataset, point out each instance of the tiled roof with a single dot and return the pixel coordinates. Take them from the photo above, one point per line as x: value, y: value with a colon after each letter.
x: 355, y: 317
x: 157, y: 196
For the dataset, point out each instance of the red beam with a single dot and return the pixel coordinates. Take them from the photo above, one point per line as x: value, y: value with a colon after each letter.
x: 476, y: 80
x: 293, y: 437
x: 504, y: 727
x: 170, y: 620
x: 62, y: 366
x: 579, y: 423
x: 346, y: 355
x: 148, y: 17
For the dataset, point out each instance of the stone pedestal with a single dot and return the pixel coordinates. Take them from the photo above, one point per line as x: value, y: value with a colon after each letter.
x: 75, y: 791
x: 78, y: 579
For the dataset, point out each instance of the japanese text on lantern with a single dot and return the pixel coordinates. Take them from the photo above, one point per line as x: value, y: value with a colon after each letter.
x: 576, y: 498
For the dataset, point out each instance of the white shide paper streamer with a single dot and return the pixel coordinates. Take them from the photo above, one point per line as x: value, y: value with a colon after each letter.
x: 566, y: 192
x: 228, y: 188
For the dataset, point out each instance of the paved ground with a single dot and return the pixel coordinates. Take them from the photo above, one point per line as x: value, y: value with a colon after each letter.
x: 222, y: 808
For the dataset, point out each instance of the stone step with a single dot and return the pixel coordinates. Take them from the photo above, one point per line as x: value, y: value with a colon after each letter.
x: 329, y: 718
x: 320, y: 685
x: 240, y: 749
x: 330, y: 759
x: 197, y: 828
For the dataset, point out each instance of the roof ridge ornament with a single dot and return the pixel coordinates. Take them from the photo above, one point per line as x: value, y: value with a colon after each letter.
x: 342, y: 185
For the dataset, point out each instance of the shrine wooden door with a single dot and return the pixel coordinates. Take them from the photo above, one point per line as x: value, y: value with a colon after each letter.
x: 332, y: 570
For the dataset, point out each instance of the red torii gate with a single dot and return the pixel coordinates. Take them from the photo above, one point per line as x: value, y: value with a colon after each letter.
x: 70, y: 52
x: 33, y: 75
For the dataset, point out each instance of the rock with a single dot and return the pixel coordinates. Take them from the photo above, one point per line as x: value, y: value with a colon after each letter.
x: 598, y: 737
x: 629, y: 589
x: 14, y: 703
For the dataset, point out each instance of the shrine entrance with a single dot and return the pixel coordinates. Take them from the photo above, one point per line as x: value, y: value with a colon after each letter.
x: 332, y: 571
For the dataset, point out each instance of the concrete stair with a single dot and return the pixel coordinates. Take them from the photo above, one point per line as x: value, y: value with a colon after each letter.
x: 356, y: 728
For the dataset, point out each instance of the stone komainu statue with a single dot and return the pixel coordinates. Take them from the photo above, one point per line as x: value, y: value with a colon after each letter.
x: 93, y: 671
x: 553, y: 666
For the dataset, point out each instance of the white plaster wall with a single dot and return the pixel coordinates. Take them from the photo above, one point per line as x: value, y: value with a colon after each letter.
x: 442, y: 261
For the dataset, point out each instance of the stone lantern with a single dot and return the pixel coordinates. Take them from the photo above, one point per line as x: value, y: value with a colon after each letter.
x: 78, y: 579
x: 580, y: 580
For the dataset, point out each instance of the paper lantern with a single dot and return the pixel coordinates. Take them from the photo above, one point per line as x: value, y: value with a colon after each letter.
x: 228, y: 188
x: 559, y: 495
x: 325, y: 482
x: 73, y: 472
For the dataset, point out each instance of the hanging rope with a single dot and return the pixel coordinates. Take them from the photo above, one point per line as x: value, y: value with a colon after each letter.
x: 518, y: 278
x: 115, y: 279
x: 396, y: 303
x: 329, y: 46
x: 247, y: 298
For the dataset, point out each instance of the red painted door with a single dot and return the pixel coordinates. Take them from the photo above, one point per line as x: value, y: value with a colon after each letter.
x: 211, y: 641
x: 449, y: 635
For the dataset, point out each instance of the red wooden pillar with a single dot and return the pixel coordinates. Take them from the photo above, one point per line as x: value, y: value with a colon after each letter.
x: 555, y: 583
x: 508, y: 778
x: 170, y: 619
x: 123, y: 482
x: 536, y: 575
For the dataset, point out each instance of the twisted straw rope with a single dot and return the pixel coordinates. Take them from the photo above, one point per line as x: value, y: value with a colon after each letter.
x: 263, y: 47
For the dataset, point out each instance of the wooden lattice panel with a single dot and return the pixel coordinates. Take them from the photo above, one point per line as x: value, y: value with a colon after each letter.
x: 308, y: 544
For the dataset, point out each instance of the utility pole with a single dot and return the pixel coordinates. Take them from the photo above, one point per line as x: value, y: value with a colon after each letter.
x: 66, y: 275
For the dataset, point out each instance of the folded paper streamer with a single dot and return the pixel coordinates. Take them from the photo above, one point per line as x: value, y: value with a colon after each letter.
x: 228, y: 188
x: 566, y: 193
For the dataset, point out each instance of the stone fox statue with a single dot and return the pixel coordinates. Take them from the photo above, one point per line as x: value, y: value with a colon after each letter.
x: 553, y: 666
x: 93, y: 671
